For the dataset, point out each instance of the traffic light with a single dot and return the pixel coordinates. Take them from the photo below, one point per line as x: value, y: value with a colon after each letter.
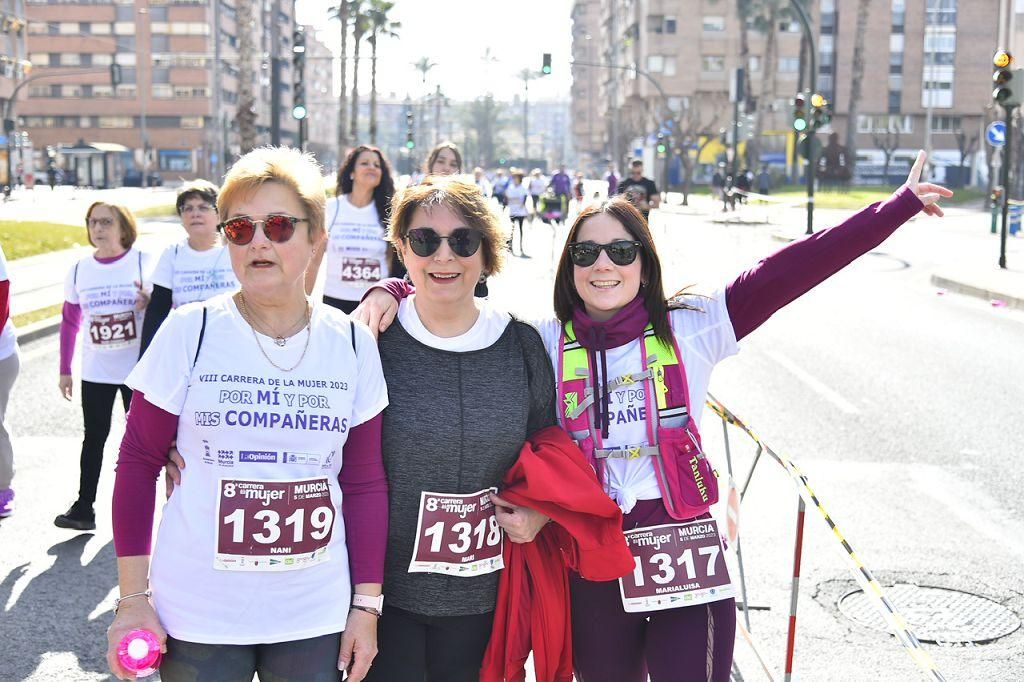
x: 410, y: 138
x: 820, y: 114
x: 799, y: 113
x: 662, y: 146
x: 115, y: 72
x: 299, y: 109
x: 1002, y: 79
x: 545, y: 68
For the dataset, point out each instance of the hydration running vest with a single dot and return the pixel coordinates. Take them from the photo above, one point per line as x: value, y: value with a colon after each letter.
x: 687, y: 482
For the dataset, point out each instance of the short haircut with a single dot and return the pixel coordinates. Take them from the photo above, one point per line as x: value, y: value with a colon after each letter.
x: 282, y: 165
x: 653, y: 291
x: 436, y: 152
x: 383, y: 193
x: 197, y: 189
x: 125, y: 221
x: 637, y: 163
x: 462, y: 198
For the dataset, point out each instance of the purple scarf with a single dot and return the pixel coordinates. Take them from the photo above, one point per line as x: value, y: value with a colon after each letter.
x: 626, y: 325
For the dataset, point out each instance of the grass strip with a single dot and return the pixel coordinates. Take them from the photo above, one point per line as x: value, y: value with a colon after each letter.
x: 29, y: 238
x: 159, y: 211
x: 25, y: 319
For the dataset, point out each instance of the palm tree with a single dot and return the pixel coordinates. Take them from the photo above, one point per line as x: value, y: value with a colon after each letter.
x: 246, y: 111
x: 360, y: 25
x: 380, y: 25
x: 856, y: 78
x: 341, y: 13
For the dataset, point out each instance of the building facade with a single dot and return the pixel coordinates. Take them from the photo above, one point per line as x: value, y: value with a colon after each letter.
x: 160, y: 76
x: 14, y: 69
x: 322, y: 125
x: 925, y: 82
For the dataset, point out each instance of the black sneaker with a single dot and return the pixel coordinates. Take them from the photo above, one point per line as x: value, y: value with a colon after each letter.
x: 77, y: 517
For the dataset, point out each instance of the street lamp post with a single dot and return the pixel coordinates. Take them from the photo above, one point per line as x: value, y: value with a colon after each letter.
x: 812, y: 162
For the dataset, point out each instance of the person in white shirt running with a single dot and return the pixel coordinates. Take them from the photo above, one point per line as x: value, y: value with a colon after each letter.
x: 356, y: 252
x: 105, y: 296
x: 194, y: 269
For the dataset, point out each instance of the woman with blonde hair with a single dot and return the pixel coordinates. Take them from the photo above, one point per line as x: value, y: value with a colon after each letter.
x: 105, y: 298
x: 269, y: 558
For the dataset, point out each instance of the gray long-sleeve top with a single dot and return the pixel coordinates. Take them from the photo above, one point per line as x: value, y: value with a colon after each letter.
x: 455, y: 424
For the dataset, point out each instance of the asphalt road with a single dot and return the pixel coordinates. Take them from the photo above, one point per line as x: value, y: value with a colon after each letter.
x: 902, y: 406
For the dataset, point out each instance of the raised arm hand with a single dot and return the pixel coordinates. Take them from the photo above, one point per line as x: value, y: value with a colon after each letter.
x: 928, y: 193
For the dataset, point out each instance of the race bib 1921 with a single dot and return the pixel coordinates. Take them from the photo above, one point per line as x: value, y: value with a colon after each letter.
x: 457, y: 535
x: 272, y: 525
x: 116, y: 330
x: 676, y: 564
x: 360, y: 269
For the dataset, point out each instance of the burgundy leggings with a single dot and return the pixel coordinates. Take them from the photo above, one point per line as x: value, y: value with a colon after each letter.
x: 693, y: 643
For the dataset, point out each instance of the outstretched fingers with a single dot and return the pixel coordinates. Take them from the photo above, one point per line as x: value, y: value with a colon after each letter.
x: 915, y: 171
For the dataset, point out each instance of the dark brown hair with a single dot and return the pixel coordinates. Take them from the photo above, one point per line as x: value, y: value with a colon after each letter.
x: 383, y: 193
x: 125, y: 222
x: 436, y: 151
x: 652, y: 289
x: 462, y: 198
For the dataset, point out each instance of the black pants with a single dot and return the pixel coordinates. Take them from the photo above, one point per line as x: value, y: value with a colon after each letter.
x: 416, y: 648
x: 308, y: 660
x: 341, y: 304
x: 97, y: 405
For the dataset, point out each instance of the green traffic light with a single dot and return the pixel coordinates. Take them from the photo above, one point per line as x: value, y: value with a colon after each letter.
x: 410, y: 144
x: 661, y: 149
x: 799, y: 125
x: 546, y: 69
x: 299, y: 112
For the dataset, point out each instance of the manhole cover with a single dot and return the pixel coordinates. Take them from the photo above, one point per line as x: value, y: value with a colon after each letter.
x: 935, y: 614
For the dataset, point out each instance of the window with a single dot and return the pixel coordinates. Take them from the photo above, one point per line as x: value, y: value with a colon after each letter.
x: 38, y: 28
x: 712, y: 64
x: 126, y: 13
x: 85, y: 58
x: 895, y: 82
x: 946, y: 124
x: 670, y: 24
x: 84, y: 27
x: 175, y: 160
x: 102, y: 90
x: 124, y: 28
x: 191, y: 122
x: 896, y: 43
x: 655, y: 63
x: 126, y: 90
x: 789, y: 27
x: 940, y: 13
x: 655, y: 23
x: 789, y: 64
x: 101, y: 29
x: 68, y: 28
x: 754, y: 63
x: 71, y: 91
x: 115, y: 121
x: 158, y: 13
x: 884, y: 123
x: 39, y: 91
x: 41, y: 58
x: 826, y: 44
x: 895, y: 99
x: 70, y: 59
x: 128, y: 75
x: 162, y: 91
x: 160, y: 75
x: 159, y: 43
x: 85, y: 121
x: 670, y: 66
x: 713, y: 24
x: 895, y: 62
x: 126, y: 58
x: 101, y: 59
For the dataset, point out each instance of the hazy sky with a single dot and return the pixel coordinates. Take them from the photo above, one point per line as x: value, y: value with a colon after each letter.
x: 455, y: 34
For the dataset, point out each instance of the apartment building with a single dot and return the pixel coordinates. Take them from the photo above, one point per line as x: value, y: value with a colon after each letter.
x: 926, y: 75
x: 14, y: 68
x: 163, y: 75
x: 588, y: 128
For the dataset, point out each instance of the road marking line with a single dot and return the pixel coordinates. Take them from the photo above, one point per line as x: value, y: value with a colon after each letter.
x: 824, y: 391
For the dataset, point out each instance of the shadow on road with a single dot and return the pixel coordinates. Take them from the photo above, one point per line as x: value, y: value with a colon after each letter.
x: 52, y: 613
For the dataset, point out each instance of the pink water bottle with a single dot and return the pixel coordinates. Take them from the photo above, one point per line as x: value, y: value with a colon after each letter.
x: 139, y: 653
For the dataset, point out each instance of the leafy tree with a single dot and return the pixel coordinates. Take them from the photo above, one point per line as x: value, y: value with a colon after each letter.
x: 380, y: 25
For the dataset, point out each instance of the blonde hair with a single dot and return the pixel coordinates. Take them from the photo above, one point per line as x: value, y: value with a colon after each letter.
x: 125, y: 221
x: 288, y: 167
x: 462, y: 198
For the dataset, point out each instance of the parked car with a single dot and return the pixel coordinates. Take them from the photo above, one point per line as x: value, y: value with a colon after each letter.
x: 133, y: 178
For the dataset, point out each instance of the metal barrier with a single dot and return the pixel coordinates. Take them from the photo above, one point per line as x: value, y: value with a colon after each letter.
x: 896, y: 622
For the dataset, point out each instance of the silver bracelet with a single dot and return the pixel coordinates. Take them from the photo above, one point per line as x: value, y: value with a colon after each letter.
x: 117, y: 602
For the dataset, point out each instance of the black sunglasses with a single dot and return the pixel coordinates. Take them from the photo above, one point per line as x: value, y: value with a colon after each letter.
x: 463, y: 241
x: 620, y: 251
x: 277, y: 228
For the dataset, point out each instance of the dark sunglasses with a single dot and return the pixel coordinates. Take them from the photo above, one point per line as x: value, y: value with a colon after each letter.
x: 463, y: 241
x: 277, y: 228
x: 621, y: 252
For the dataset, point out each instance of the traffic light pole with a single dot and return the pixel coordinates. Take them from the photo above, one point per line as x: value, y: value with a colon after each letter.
x: 812, y: 162
x: 1007, y: 151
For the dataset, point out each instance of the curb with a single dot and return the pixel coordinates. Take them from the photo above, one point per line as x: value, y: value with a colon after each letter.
x: 976, y: 291
x: 38, y: 330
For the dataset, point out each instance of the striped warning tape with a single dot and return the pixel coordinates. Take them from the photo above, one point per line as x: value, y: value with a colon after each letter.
x: 897, y: 623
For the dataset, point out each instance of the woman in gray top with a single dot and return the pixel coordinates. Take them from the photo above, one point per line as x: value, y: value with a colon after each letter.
x: 467, y: 385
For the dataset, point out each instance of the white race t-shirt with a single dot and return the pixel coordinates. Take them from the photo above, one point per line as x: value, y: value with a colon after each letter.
x: 515, y: 195
x: 538, y: 185
x: 246, y: 428
x: 357, y: 255
x: 111, y: 325
x: 194, y: 275
x: 8, y: 337
x: 705, y: 339
x: 487, y: 329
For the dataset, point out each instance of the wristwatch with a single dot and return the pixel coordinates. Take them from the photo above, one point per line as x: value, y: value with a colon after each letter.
x: 366, y: 602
